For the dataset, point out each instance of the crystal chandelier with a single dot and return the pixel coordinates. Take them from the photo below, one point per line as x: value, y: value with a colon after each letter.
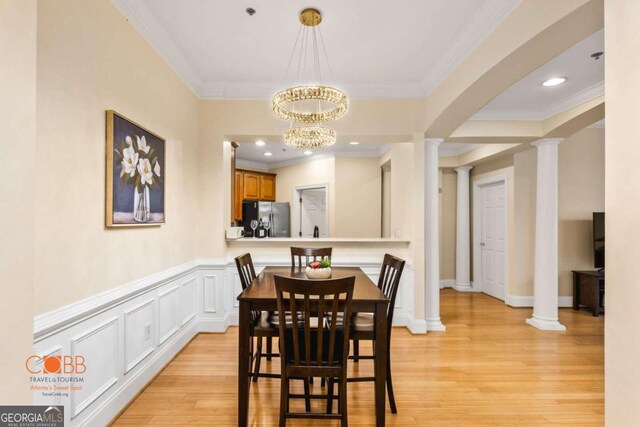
x: 310, y: 104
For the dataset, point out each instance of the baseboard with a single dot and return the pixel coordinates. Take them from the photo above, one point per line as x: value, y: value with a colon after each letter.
x: 174, y: 305
x: 527, y: 301
x: 447, y: 283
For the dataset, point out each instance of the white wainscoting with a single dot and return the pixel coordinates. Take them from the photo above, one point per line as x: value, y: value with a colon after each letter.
x: 127, y: 335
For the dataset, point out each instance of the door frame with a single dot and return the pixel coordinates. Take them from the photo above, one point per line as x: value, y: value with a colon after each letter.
x: 295, y: 208
x: 477, y: 221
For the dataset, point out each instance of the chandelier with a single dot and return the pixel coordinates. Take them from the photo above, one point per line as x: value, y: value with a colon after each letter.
x: 310, y: 104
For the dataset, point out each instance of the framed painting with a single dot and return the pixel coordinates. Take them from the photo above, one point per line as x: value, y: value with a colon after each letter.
x: 135, y: 174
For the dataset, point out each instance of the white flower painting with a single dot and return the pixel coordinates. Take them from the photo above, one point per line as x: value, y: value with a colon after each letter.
x: 137, y: 159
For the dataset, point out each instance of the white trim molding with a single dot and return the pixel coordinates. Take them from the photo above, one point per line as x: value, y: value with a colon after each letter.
x: 518, y: 301
x: 133, y: 331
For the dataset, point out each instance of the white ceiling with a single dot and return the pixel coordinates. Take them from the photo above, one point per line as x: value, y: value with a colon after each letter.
x: 529, y: 100
x: 377, y: 48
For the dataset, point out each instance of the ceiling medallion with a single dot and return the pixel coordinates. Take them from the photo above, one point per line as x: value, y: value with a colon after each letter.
x: 310, y: 137
x: 309, y: 104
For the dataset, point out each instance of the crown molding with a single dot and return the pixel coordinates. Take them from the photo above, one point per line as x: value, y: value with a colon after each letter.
x: 450, y: 150
x: 483, y: 23
x: 600, y: 124
x: 248, y: 164
x: 578, y: 98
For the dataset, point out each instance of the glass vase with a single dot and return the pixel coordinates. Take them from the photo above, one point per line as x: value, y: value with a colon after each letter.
x: 141, y: 205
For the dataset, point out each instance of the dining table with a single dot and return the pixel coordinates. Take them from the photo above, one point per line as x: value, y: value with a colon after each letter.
x: 260, y: 295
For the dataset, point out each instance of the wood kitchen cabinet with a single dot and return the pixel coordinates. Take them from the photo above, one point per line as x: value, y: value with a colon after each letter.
x: 268, y: 187
x: 237, y: 196
x: 250, y: 185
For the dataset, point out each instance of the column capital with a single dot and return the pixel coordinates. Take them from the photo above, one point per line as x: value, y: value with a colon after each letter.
x: 547, y: 141
x: 463, y: 169
x: 434, y: 141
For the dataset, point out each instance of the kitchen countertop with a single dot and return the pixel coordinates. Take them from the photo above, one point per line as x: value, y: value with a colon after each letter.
x: 385, y: 240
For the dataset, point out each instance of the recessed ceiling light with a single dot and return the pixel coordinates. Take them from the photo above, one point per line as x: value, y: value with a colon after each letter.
x: 308, y: 153
x: 354, y: 143
x: 260, y: 143
x: 268, y: 154
x: 554, y: 81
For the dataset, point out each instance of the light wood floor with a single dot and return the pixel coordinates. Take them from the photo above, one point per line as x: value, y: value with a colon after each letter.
x: 489, y: 368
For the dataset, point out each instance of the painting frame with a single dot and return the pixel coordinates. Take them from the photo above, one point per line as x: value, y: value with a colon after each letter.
x: 120, y: 187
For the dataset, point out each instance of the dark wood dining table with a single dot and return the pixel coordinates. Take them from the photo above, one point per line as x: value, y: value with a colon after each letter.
x: 260, y: 295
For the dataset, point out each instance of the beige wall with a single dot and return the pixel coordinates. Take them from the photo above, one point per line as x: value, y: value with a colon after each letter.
x: 355, y: 190
x: 358, y: 199
x: 448, y: 195
x: 622, y: 205
x: 321, y: 171
x: 90, y: 59
x: 580, y: 193
x: 17, y: 185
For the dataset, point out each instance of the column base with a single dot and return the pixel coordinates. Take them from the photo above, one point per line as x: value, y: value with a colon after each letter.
x: 545, y: 325
x: 463, y: 286
x: 435, y: 325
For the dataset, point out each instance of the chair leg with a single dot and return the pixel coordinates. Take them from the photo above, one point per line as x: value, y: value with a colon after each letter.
x: 392, y: 399
x: 284, y: 400
x: 330, y: 396
x: 307, y: 392
x: 258, y: 359
x: 344, y: 422
x: 356, y: 351
x: 269, y: 348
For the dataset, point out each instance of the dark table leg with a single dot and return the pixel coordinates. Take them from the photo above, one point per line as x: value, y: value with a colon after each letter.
x: 380, y: 362
x: 243, y: 364
x: 595, y: 285
x: 576, y: 291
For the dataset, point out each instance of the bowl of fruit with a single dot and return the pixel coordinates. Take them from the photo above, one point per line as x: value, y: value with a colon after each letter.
x: 319, y: 269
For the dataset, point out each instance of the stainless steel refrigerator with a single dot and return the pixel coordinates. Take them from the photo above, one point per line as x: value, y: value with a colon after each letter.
x: 278, y: 214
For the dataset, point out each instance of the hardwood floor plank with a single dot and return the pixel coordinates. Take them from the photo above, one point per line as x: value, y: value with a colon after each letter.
x: 488, y: 369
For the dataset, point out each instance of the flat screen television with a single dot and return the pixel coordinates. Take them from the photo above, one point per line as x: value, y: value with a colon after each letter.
x: 598, y: 239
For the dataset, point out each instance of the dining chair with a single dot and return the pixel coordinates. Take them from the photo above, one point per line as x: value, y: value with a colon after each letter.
x: 316, y: 344
x: 309, y: 255
x: 362, y: 324
x: 260, y: 326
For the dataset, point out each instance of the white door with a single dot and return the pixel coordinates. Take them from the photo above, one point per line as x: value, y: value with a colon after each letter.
x: 493, y: 228
x: 313, y: 211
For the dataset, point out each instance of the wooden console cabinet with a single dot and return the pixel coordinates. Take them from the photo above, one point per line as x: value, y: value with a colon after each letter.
x: 588, y: 290
x: 251, y: 185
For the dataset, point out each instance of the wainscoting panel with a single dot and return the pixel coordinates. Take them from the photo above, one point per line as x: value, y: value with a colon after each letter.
x: 100, y: 348
x: 139, y: 333
x: 210, y: 290
x: 168, y: 313
x: 127, y: 335
x: 188, y: 299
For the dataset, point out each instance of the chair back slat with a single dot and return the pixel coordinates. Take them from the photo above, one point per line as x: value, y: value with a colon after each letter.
x: 305, y: 300
x: 389, y: 281
x: 247, y: 273
x: 321, y: 308
x: 309, y: 255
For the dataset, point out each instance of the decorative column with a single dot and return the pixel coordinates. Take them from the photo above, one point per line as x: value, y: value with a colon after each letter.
x: 463, y: 244
x: 545, y: 287
x: 432, y: 236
